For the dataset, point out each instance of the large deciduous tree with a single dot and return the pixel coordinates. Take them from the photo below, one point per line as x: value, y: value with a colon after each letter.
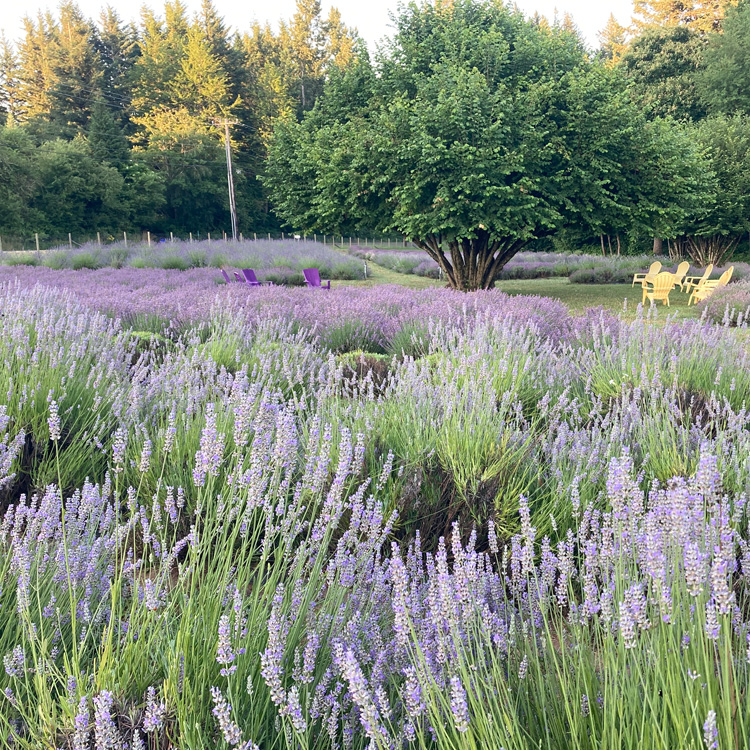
x: 725, y: 81
x: 480, y: 133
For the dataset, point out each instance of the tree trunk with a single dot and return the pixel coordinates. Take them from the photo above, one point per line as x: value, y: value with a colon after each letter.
x: 470, y: 264
x: 657, y: 246
x: 601, y: 239
x: 618, y: 245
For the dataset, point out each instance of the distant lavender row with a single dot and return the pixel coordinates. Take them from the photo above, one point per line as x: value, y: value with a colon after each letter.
x: 370, y: 319
x: 280, y: 261
x: 579, y: 268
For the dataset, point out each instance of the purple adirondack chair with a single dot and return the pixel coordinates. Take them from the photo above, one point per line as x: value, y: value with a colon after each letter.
x: 239, y: 278
x: 312, y: 277
x: 226, y: 276
x: 252, y: 279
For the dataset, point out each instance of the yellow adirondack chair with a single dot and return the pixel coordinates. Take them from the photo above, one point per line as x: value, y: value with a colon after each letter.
x: 690, y: 283
x: 659, y: 287
x: 640, y: 278
x: 679, y: 274
x: 707, y: 288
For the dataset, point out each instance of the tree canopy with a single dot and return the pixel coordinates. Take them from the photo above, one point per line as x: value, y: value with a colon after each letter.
x: 482, y: 132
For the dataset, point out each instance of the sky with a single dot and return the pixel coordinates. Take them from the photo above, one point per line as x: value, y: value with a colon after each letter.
x: 371, y: 17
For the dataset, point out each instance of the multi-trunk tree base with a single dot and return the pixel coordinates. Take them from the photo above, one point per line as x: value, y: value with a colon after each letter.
x: 470, y: 264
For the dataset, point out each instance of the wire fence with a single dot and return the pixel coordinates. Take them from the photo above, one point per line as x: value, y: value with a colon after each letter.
x: 39, y: 242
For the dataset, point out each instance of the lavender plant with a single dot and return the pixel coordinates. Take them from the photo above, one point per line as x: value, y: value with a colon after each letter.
x: 528, y: 529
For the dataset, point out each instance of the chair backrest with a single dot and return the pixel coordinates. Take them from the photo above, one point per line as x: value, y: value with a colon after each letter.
x: 312, y: 276
x: 663, y: 281
x: 726, y: 276
x: 654, y: 268
x: 226, y: 276
x: 250, y: 276
x: 707, y: 272
x: 682, y: 270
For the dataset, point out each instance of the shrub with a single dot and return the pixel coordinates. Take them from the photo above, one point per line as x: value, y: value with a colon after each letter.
x: 83, y: 260
x: 174, y: 263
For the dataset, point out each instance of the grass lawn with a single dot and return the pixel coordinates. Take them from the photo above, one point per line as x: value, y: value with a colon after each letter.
x: 620, y: 298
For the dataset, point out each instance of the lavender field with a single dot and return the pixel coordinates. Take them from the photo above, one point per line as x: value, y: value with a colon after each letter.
x: 366, y: 518
x: 580, y: 268
x: 280, y: 261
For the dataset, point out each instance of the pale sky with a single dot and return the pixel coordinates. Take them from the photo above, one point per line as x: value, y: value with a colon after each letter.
x: 371, y: 17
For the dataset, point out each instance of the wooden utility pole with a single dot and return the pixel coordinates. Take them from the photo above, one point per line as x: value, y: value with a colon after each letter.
x: 230, y: 178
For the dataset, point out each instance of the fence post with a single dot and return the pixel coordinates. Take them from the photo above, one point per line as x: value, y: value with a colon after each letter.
x: 350, y: 242
x: 171, y: 237
x: 225, y: 235
x: 282, y: 236
x: 209, y: 238
x: 315, y: 237
x: 269, y: 235
x: 324, y: 239
x: 242, y: 239
x: 148, y: 238
x: 36, y: 237
x: 125, y: 238
x: 70, y: 240
x: 1, y: 244
x: 255, y: 236
x: 191, y: 237
x: 365, y: 270
x: 98, y: 239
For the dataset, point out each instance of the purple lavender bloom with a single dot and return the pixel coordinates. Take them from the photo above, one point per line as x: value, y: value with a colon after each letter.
x: 711, y: 731
x: 105, y: 729
x: 459, y: 706
x: 15, y: 662
x: 155, y: 710
x: 223, y: 713
x: 224, y: 653
x: 82, y: 731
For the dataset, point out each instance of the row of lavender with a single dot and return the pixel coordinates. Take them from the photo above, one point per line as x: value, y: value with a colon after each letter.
x: 534, y: 530
x: 578, y: 267
x: 280, y: 261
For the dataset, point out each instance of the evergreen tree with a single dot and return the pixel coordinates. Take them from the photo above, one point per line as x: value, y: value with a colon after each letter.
x: 77, y: 71
x: 303, y: 45
x: 613, y: 41
x: 703, y: 17
x: 11, y: 106
x: 662, y: 66
x: 201, y: 86
x: 117, y: 46
x: 725, y: 82
x: 161, y: 47
x: 107, y: 141
x: 214, y: 31
x: 341, y: 42
x: 35, y: 73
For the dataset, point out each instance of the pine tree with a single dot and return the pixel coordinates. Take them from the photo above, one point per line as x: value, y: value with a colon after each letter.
x: 77, y: 71
x: 613, y: 41
x: 11, y: 105
x: 341, y: 40
x: 117, y: 46
x: 214, y: 30
x: 162, y: 48
x: 303, y: 43
x: 703, y: 17
x: 107, y: 141
x: 35, y: 74
x: 201, y: 86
